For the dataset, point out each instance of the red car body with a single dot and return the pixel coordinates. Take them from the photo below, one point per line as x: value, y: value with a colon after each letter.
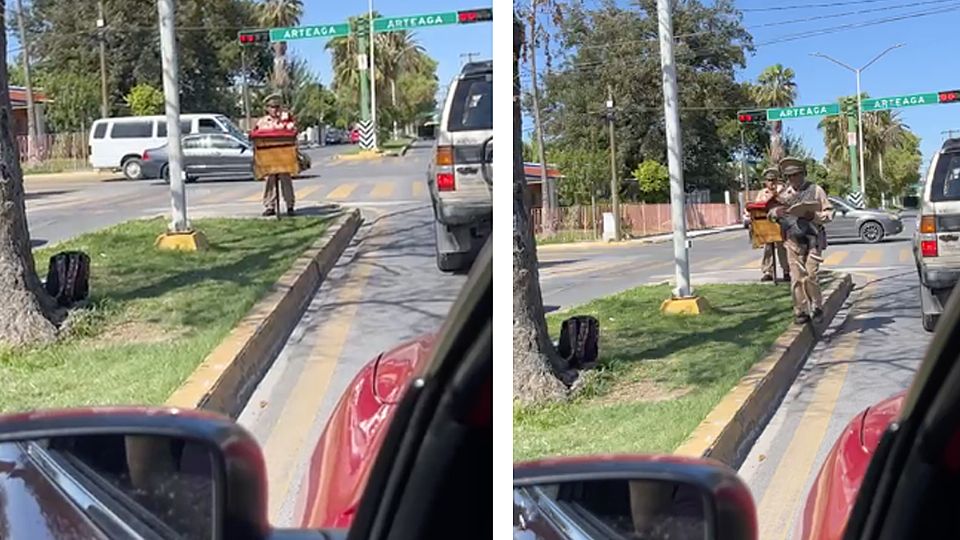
x: 344, y: 455
x: 354, y: 136
x: 833, y: 493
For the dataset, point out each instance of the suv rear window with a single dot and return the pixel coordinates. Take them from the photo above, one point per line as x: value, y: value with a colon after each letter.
x: 132, y: 130
x: 472, y: 107
x: 946, y: 178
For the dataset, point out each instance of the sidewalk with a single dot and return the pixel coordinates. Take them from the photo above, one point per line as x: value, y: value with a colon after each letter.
x: 653, y: 239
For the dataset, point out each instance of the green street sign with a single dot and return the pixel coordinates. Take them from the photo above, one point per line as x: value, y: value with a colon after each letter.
x: 803, y: 111
x: 393, y: 24
x: 895, y: 102
x: 309, y: 32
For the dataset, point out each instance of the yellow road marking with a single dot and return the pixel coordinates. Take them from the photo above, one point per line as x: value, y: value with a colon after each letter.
x: 906, y: 255
x: 835, y: 258
x: 342, y: 191
x: 871, y: 257
x: 785, y: 491
x: 256, y: 197
x: 383, y: 190
x: 419, y: 189
x: 306, y: 192
x: 287, y: 440
x: 739, y: 262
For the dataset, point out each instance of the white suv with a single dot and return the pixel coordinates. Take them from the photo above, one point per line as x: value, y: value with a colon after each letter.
x: 459, y: 176
x: 936, y: 245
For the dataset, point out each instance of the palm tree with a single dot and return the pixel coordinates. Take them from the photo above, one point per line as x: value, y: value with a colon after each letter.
x: 280, y: 13
x: 775, y: 88
x: 346, y: 73
x: 397, y: 54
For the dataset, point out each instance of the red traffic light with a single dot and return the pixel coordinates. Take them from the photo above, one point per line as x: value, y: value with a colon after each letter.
x: 948, y: 96
x: 752, y: 117
x: 746, y: 118
x: 253, y: 36
x: 474, y: 16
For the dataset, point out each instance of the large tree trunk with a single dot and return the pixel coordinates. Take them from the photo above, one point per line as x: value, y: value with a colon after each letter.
x: 776, y: 143
x: 535, y: 361
x: 26, y: 311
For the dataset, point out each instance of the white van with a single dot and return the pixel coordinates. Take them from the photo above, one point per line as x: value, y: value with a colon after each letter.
x: 118, y: 143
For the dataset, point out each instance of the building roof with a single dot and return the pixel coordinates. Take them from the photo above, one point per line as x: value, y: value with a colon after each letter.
x: 18, y: 96
x: 532, y: 172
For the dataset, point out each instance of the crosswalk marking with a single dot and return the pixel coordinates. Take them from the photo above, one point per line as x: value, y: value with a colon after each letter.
x: 342, y: 191
x: 383, y: 190
x: 835, y: 258
x: 256, y: 197
x: 307, y: 191
x: 906, y: 255
x: 419, y: 189
x: 871, y: 257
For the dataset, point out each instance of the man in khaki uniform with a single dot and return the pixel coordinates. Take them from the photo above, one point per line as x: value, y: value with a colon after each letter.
x: 772, y: 188
x: 276, y: 118
x: 804, y: 252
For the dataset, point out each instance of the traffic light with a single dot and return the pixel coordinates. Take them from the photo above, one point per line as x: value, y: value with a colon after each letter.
x: 948, y: 96
x: 248, y: 37
x: 469, y: 16
x: 756, y: 116
x: 363, y: 26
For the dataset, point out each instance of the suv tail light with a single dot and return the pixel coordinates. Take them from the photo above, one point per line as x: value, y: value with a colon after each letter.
x: 928, y: 248
x: 145, y: 156
x: 445, y: 182
x: 928, y: 224
x: 445, y: 156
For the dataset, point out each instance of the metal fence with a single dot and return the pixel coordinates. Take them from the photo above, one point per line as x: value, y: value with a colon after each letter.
x: 58, y: 150
x: 638, y: 220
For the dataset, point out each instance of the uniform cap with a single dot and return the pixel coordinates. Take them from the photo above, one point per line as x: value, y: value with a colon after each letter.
x: 792, y: 165
x: 273, y: 99
x: 771, y: 173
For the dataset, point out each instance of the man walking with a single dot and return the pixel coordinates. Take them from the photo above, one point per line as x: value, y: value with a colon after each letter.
x: 276, y: 119
x: 771, y: 190
x: 804, y: 236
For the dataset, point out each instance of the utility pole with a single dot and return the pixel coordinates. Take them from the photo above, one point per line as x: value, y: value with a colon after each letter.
x: 743, y: 172
x: 468, y: 56
x: 363, y: 33
x: 674, y: 150
x: 171, y: 89
x: 549, y: 208
x: 101, y: 28
x: 246, y: 87
x: 373, y: 77
x: 614, y: 185
x: 852, y: 143
x: 31, y: 110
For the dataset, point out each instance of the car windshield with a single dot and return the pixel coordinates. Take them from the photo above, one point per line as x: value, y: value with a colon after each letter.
x: 946, y: 178
x: 232, y: 128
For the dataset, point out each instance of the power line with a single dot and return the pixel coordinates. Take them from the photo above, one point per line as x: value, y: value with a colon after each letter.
x: 808, y: 6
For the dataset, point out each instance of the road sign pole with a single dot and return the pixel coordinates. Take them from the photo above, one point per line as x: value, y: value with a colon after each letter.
x: 171, y: 90
x: 373, y: 76
x: 362, y: 36
x: 674, y: 150
x: 852, y: 143
x: 863, y: 182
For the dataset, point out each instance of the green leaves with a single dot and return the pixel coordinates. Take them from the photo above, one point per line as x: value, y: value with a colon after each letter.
x: 654, y: 181
x: 145, y: 100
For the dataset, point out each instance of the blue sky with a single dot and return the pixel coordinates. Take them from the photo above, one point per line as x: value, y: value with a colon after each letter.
x: 926, y: 63
x: 444, y: 43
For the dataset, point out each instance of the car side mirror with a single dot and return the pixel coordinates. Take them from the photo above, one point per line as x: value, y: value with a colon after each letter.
x: 630, y: 496
x: 134, y: 472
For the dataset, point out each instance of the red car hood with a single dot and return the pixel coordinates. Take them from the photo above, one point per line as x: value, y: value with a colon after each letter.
x: 833, y: 493
x: 346, y: 451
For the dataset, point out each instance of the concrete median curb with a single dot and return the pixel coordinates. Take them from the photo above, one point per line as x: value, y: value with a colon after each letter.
x: 228, y: 375
x: 727, y: 433
x: 360, y: 156
x: 654, y: 239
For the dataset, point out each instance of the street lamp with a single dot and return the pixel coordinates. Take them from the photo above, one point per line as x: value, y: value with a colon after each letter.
x: 863, y: 183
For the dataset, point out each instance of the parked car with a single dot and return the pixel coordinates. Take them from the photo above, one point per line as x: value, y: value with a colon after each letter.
x: 208, y: 156
x: 871, y: 225
x: 459, y: 175
x: 333, y: 136
x: 354, y: 136
x: 120, y: 472
x: 936, y: 242
x: 117, y: 143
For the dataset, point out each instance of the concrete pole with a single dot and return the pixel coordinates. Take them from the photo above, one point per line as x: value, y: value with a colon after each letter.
x: 31, y: 109
x: 364, y: 81
x: 863, y: 182
x: 674, y: 150
x: 246, y: 87
x: 101, y: 26
x: 614, y: 185
x: 851, y: 141
x: 373, y: 78
x: 167, y: 10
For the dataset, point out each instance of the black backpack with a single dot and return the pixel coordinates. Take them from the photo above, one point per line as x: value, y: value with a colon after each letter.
x: 68, y: 277
x: 579, y: 341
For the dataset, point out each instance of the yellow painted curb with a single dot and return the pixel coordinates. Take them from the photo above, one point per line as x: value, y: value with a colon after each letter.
x: 189, y: 241
x: 228, y: 375
x: 694, y: 305
x: 731, y: 427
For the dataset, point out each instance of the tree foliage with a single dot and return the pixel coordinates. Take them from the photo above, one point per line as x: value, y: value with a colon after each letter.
x: 775, y: 88
x: 145, y: 100
x: 653, y: 179
x: 618, y: 47
x: 586, y: 173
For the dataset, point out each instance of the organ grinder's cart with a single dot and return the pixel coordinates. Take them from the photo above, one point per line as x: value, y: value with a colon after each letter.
x: 763, y: 231
x: 274, y: 152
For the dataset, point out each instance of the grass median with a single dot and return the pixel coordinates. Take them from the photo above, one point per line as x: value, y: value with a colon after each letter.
x: 659, y: 376
x: 154, y: 314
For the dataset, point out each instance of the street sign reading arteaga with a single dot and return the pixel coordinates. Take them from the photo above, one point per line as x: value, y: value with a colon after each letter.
x: 896, y: 102
x: 393, y: 24
x: 309, y: 32
x: 802, y: 111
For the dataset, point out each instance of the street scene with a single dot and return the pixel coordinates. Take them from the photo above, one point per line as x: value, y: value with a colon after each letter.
x: 734, y: 257
x: 244, y: 250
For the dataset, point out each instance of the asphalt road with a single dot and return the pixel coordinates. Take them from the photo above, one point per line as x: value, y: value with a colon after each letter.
x: 385, y: 290
x: 870, y: 352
